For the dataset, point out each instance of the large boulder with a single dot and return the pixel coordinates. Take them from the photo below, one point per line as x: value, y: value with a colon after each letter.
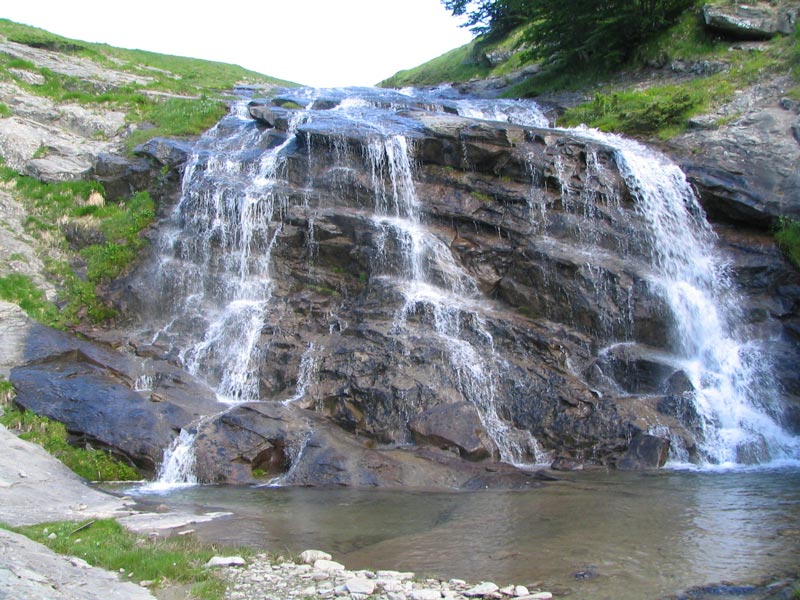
x: 760, y: 21
x: 100, y: 395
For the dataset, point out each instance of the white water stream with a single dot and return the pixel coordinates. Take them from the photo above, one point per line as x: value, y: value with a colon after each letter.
x: 735, y: 391
x: 215, y: 276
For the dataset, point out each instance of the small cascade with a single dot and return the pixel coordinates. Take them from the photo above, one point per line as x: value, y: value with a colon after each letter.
x: 177, y: 466
x: 308, y: 367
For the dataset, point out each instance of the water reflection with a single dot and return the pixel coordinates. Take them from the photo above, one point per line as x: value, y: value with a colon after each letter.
x: 618, y: 535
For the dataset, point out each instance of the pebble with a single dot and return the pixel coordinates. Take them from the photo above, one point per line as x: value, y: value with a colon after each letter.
x: 225, y: 561
x: 357, y: 585
x: 311, y: 556
x: 327, y: 566
x: 260, y: 579
x: 486, y: 588
x: 425, y: 594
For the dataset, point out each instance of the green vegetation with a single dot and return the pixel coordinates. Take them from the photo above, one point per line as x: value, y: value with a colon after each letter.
x: 455, y: 65
x: 149, y: 97
x: 664, y: 110
x: 20, y: 290
x: 788, y: 238
x: 578, y: 46
x: 96, y: 465
x: 177, y: 117
x: 105, y: 543
x: 4, y: 110
x: 52, y: 207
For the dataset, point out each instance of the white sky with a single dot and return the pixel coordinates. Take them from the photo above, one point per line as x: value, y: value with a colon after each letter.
x: 323, y: 43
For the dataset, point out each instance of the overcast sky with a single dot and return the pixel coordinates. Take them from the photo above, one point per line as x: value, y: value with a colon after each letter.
x: 323, y: 43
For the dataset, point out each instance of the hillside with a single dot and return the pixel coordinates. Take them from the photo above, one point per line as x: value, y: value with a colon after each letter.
x: 719, y: 91
x: 71, y: 115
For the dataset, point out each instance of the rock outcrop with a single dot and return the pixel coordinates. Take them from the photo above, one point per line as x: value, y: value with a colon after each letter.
x: 760, y: 21
x: 526, y: 328
x: 745, y: 158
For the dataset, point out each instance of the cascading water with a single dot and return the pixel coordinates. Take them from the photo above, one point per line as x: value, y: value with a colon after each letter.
x: 216, y: 267
x: 734, y: 389
x: 434, y: 283
x: 216, y: 255
x: 177, y: 466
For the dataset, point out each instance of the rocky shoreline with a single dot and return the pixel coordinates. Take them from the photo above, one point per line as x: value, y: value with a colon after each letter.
x: 36, y: 488
x: 317, y: 576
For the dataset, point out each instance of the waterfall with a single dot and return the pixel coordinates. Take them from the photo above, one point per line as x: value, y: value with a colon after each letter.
x: 434, y: 283
x: 177, y: 466
x: 734, y: 391
x: 217, y: 291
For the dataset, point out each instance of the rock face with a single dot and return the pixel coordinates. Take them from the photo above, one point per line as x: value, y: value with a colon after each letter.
x: 759, y: 22
x: 390, y: 294
x: 748, y: 170
x: 524, y: 326
x: 91, y: 388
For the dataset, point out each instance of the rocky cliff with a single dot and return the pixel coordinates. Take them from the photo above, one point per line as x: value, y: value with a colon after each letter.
x: 414, y: 298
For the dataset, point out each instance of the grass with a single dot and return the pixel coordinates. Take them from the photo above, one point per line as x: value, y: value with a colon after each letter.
x: 788, y: 238
x: 204, y: 84
x: 177, y: 117
x: 660, y: 110
x: 119, y: 224
x: 105, y: 543
x: 456, y: 65
x: 664, y: 110
x: 20, y: 290
x: 92, y: 464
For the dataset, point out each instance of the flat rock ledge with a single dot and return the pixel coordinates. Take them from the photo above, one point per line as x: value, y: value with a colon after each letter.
x: 262, y: 579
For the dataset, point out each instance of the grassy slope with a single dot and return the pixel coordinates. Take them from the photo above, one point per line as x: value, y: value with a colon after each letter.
x: 183, y: 97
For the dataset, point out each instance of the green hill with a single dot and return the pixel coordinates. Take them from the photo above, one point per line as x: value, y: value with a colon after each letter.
x: 685, y: 71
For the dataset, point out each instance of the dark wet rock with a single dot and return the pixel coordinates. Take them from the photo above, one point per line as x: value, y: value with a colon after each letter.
x: 645, y: 452
x: 89, y: 387
x: 165, y: 151
x: 270, y: 115
x: 258, y: 442
x: 453, y: 426
x: 97, y: 408
x: 122, y: 177
x: 563, y: 463
x: 636, y: 369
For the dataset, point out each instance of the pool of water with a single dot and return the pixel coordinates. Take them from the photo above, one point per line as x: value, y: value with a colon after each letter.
x: 621, y: 536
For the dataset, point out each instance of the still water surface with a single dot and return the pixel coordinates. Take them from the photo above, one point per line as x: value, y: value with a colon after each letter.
x: 622, y: 536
